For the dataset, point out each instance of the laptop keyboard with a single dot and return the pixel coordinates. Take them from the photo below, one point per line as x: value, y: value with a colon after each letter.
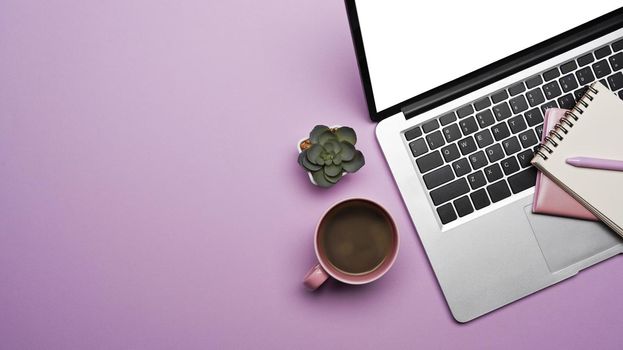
x: 480, y: 153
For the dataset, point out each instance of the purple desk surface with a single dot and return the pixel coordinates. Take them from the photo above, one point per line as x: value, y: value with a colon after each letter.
x: 150, y: 196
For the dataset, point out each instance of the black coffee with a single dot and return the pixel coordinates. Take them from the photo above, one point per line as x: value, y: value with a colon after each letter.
x: 356, y: 236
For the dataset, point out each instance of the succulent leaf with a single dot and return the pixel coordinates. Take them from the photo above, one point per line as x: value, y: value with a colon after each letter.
x: 355, y: 164
x: 301, y: 156
x: 328, y: 147
x: 348, y: 151
x: 316, y: 131
x: 305, y: 163
x: 337, y: 160
x: 346, y: 134
x: 320, y: 179
x: 326, y: 136
x: 332, y: 169
x: 333, y: 179
x: 332, y: 146
x: 313, y: 153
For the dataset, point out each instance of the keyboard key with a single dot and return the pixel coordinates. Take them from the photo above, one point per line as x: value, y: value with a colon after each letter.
x: 580, y: 92
x: 539, y: 131
x: 447, y: 118
x: 534, y: 81
x: 517, y: 124
x: 511, y: 145
x: 430, y: 125
x: 468, y: 125
x: 435, y: 140
x: 602, y: 52
x: 551, y: 74
x: 567, y: 101
x: 568, y: 67
x: 494, y: 153
x: 499, y: 96
x: 603, y: 82
x: 465, y: 111
x: 413, y: 133
x: 483, y: 138
x: 500, y: 131
x: 526, y: 156
x: 498, y: 191
x: 568, y: 82
x: 482, y: 104
x: 535, y: 97
x: 533, y: 117
x: 527, y: 138
x: 516, y: 89
x: 617, y: 45
x: 621, y: 94
x: 467, y: 145
x: 509, y: 165
x: 452, y: 133
x: 478, y: 160
x: 585, y: 76
x: 446, y: 213
x: 546, y: 106
x: 615, y: 81
x: 480, y: 199
x: 418, y: 147
x: 518, y: 104
x: 449, y: 191
x: 485, y: 118
x: 463, y: 206
x: 616, y: 61
x: 450, y: 152
x: 461, y: 167
x: 493, y: 172
x: 438, y: 177
x: 429, y: 161
x: 476, y: 180
x: 501, y: 111
x: 586, y: 59
x: 522, y: 180
x: 552, y: 90
x: 601, y: 69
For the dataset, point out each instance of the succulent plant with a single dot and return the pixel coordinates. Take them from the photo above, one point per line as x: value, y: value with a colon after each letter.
x: 329, y: 153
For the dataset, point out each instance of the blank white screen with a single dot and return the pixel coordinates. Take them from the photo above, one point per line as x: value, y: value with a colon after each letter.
x: 414, y: 46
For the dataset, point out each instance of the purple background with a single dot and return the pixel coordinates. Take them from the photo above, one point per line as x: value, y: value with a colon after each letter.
x: 150, y: 196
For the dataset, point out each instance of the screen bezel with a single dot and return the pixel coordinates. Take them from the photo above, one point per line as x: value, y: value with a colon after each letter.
x: 483, y: 76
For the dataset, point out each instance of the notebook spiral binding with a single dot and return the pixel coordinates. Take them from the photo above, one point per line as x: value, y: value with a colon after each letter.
x: 562, y: 127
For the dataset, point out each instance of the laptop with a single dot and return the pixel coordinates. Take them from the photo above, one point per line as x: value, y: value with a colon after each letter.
x: 459, y: 90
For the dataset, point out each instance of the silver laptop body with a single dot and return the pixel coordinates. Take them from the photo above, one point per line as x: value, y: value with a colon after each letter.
x: 504, y: 252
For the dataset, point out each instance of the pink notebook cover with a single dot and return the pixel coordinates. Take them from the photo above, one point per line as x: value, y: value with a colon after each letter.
x: 548, y: 197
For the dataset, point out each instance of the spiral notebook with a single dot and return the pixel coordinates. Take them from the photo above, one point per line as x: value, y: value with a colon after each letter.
x: 593, y: 128
x: 549, y: 198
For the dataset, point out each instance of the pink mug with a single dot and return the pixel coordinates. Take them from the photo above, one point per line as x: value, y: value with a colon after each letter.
x: 325, y: 268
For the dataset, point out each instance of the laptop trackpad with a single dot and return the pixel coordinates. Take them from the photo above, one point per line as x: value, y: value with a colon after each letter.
x: 565, y: 242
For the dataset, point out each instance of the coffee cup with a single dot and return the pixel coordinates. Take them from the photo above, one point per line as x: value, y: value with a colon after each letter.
x: 356, y: 242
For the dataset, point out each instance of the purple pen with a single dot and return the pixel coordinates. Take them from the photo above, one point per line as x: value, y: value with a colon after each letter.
x: 596, y: 163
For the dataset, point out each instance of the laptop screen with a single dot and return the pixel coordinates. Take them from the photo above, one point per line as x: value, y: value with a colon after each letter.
x: 413, y: 46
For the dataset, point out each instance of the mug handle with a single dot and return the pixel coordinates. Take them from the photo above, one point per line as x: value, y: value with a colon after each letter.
x: 315, y: 277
